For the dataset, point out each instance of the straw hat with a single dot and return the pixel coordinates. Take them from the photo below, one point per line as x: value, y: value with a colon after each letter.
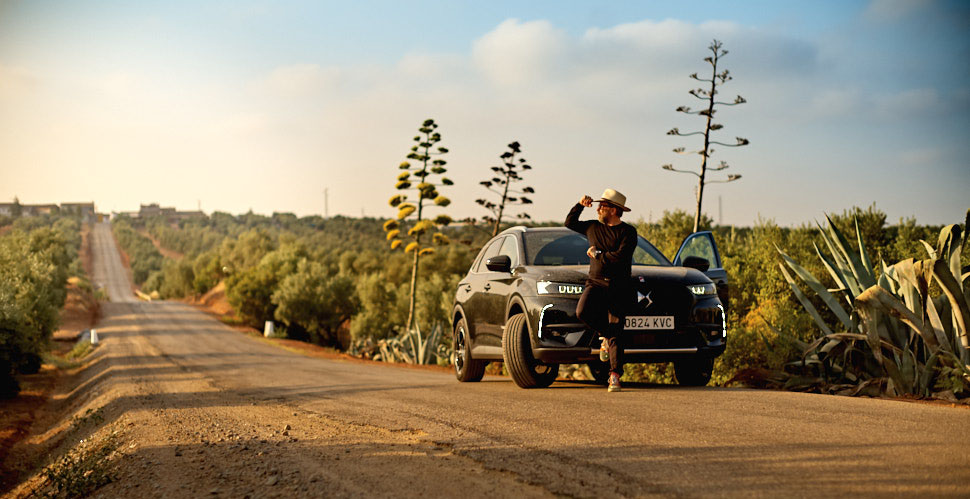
x: 614, y: 198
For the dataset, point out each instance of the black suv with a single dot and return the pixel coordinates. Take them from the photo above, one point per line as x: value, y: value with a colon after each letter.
x: 517, y: 304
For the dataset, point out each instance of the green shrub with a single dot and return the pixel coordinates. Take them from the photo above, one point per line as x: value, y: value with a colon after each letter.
x: 34, y: 262
x: 313, y: 301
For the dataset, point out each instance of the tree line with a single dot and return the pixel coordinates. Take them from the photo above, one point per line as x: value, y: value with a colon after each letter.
x: 333, y: 281
x: 37, y: 256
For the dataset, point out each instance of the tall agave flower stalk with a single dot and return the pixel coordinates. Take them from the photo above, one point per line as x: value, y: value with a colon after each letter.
x: 411, y: 215
x: 890, y: 330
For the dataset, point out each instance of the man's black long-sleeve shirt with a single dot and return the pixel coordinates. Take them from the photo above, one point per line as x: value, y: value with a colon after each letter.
x: 617, y: 243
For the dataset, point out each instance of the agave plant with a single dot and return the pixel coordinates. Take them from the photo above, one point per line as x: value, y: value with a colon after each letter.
x: 410, y: 347
x: 892, y: 333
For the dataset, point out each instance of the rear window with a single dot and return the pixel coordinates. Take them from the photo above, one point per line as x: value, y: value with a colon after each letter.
x: 569, y: 248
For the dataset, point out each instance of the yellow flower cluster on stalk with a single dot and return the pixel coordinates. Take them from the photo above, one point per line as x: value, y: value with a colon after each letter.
x: 411, y: 222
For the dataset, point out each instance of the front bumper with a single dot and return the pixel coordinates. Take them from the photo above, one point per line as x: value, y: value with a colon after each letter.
x: 558, y: 336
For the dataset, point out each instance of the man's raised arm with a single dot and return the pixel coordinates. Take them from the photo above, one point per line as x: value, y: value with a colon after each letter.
x: 572, y: 219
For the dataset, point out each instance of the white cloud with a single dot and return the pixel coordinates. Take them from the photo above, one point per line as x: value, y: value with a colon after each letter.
x: 120, y: 84
x: 432, y: 66
x: 518, y: 53
x: 300, y: 81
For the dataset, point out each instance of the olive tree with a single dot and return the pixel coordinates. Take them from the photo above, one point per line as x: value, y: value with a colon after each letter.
x: 412, y: 225
x: 708, y: 96
x: 500, y: 184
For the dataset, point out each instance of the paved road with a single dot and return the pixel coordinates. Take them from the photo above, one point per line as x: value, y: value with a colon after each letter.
x: 207, y: 406
x: 108, y: 270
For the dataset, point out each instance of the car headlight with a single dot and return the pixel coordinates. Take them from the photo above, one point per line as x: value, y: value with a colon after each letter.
x: 703, y: 289
x: 558, y: 288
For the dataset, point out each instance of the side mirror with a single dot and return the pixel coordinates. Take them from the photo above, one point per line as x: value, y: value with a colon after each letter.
x: 696, y: 262
x: 500, y: 263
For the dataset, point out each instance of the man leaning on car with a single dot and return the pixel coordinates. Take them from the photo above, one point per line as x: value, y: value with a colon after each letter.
x: 608, y: 292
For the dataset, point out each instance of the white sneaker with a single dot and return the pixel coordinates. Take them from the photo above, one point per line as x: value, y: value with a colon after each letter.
x: 614, y: 383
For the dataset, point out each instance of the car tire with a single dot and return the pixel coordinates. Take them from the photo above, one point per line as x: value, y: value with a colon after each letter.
x: 694, y: 372
x: 600, y: 372
x: 526, y: 371
x: 467, y: 369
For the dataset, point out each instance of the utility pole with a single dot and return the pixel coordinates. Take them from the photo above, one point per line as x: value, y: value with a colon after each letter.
x: 326, y: 204
x: 720, y: 211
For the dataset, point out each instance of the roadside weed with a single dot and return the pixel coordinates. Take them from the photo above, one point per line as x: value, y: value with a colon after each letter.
x: 83, y: 470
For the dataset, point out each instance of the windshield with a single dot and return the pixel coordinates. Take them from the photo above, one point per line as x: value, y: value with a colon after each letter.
x: 569, y: 248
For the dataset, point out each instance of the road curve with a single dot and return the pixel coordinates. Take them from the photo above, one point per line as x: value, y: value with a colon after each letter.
x: 211, y: 410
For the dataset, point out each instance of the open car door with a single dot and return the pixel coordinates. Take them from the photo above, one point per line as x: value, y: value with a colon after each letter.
x: 701, y: 246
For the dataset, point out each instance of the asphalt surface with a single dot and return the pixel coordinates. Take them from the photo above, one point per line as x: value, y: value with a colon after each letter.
x: 492, y: 438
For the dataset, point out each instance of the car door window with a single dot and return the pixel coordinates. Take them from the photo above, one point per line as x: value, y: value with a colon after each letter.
x: 489, y: 252
x: 701, y: 246
x: 647, y: 254
x: 511, y: 250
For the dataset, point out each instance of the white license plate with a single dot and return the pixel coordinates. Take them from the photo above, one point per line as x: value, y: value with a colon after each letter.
x: 649, y: 322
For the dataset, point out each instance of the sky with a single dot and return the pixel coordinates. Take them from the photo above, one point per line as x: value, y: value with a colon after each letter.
x: 264, y: 105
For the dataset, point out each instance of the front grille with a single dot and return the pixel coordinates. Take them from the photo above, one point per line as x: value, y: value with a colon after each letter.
x: 662, y: 298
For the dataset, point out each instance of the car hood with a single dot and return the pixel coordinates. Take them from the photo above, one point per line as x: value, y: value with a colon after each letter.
x: 576, y: 274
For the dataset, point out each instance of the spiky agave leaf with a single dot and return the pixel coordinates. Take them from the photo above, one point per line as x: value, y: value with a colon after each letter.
x: 841, y: 266
x: 958, y: 301
x: 863, y: 274
x: 819, y: 289
x: 878, y: 297
x: 804, y: 301
x: 949, y: 247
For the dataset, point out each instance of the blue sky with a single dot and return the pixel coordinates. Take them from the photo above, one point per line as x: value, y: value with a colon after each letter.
x: 262, y: 105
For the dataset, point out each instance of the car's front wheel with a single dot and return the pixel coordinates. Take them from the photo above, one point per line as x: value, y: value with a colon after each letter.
x: 466, y: 368
x: 694, y: 372
x: 526, y: 371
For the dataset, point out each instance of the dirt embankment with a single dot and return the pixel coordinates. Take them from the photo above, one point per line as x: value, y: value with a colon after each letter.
x: 167, y: 253
x: 215, y: 302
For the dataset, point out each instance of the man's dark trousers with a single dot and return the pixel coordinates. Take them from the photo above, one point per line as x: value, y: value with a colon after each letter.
x: 599, y: 310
